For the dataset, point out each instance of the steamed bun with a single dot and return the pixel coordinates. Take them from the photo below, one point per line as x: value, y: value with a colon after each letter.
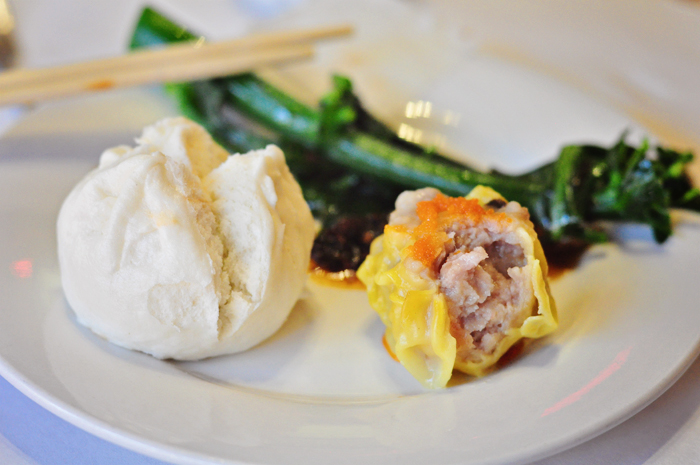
x: 177, y: 249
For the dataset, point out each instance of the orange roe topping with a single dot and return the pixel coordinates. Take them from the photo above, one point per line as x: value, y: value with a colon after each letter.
x: 439, y: 213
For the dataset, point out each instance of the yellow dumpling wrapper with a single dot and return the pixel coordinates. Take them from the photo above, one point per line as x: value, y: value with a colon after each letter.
x: 413, y: 303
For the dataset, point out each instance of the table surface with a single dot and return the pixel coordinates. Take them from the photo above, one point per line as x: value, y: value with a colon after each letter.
x: 651, y: 72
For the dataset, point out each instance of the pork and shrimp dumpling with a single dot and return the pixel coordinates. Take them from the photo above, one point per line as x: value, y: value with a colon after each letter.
x: 457, y: 281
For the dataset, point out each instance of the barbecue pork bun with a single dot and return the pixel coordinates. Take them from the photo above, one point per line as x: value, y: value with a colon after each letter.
x: 176, y: 249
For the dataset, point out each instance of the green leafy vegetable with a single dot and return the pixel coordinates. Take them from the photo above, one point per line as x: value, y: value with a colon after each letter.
x: 350, y: 163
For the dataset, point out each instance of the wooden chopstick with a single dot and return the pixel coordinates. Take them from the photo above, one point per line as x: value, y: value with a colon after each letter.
x: 46, y: 84
x: 180, y: 62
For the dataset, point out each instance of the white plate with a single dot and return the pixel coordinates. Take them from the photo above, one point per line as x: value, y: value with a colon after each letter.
x: 323, y: 390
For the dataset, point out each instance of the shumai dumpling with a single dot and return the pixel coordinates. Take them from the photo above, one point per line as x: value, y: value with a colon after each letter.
x: 457, y: 281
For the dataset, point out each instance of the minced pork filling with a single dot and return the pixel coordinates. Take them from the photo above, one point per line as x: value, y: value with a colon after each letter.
x: 473, y: 252
x: 486, y: 288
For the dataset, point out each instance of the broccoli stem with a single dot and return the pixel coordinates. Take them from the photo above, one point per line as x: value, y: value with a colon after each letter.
x: 347, y: 161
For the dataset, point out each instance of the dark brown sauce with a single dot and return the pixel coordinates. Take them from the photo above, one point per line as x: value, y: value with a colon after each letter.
x: 346, y: 279
x: 344, y: 245
x: 563, y: 256
x: 512, y: 354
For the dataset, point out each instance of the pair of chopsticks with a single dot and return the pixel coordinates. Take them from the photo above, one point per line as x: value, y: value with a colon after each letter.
x: 175, y: 63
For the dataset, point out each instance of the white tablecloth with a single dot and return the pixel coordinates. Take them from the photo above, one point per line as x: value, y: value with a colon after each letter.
x: 643, y: 56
